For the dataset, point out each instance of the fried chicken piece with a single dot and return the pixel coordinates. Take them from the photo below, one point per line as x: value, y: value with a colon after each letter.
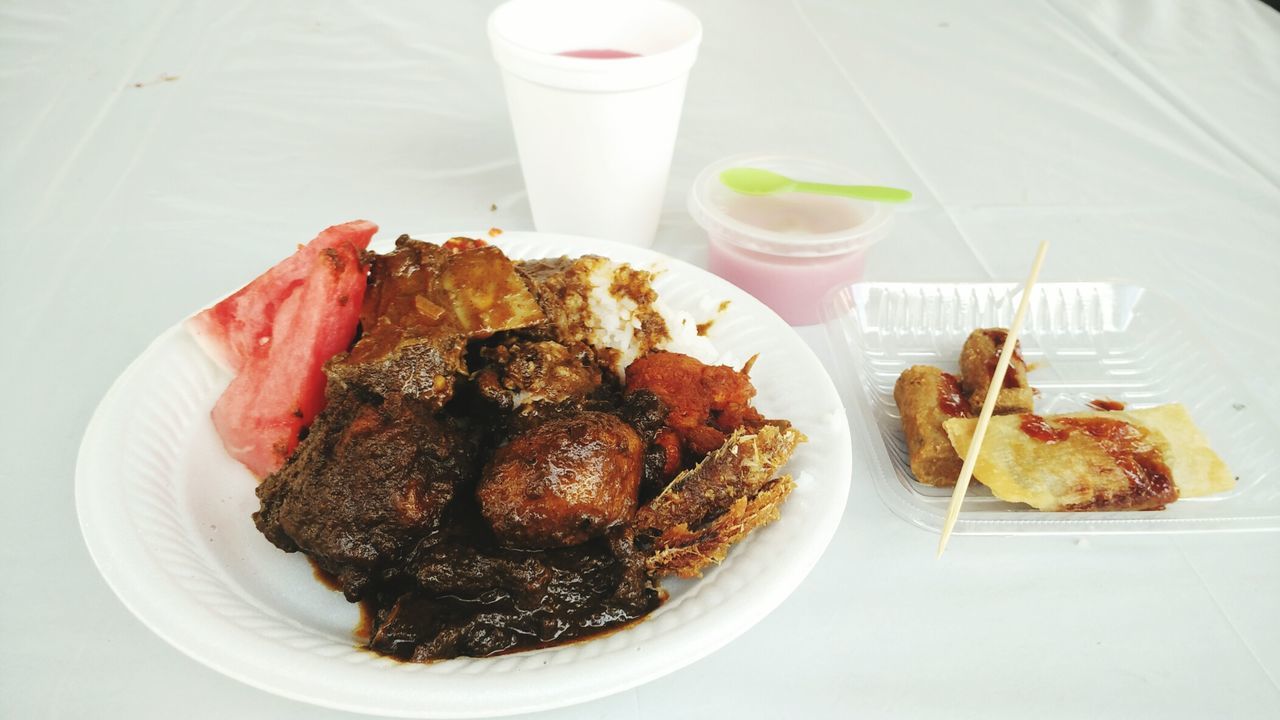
x: 669, y: 442
x: 708, y: 508
x: 705, y: 402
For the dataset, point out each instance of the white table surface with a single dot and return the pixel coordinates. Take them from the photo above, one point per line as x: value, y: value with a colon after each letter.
x: 153, y: 155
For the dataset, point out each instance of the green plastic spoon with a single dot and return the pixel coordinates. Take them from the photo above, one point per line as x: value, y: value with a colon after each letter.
x: 755, y: 181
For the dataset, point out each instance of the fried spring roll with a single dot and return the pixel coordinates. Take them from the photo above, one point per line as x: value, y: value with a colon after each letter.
x: 926, y: 398
x: 1108, y: 460
x: 978, y: 361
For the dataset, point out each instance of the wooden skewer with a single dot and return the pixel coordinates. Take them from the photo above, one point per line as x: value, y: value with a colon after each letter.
x: 989, y: 405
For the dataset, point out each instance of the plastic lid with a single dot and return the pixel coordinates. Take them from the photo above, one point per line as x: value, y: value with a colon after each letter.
x: 788, y: 224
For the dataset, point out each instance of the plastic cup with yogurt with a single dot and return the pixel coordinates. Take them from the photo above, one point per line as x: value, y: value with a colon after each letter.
x: 595, y: 89
x: 790, y: 249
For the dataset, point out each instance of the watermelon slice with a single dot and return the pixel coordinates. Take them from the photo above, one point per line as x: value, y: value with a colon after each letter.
x: 280, y: 386
x: 240, y: 326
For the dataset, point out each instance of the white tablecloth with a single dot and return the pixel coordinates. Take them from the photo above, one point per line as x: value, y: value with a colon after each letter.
x: 154, y: 155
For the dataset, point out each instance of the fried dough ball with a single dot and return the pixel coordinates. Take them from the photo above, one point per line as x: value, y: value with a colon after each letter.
x: 563, y: 482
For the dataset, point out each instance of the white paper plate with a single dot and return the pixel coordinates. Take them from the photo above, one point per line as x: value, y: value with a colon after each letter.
x: 166, y: 516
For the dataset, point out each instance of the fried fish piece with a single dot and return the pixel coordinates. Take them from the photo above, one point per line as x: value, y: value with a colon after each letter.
x: 978, y: 360
x: 927, y: 397
x: 706, y: 509
x: 1110, y: 460
x: 686, y: 552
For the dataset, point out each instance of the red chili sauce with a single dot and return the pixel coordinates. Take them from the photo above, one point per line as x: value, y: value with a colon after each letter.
x: 1036, y: 427
x: 1010, y: 375
x: 1150, y: 480
x: 1106, y: 404
x: 950, y: 401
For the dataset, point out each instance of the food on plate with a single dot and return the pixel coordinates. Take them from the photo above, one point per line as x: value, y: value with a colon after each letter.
x: 562, y: 482
x: 734, y: 490
x: 704, y: 402
x: 1102, y: 460
x: 927, y: 397
x: 533, y: 377
x: 611, y: 307
x: 978, y: 360
x: 369, y: 480
x: 505, y: 454
x: 425, y: 302
x: 310, y: 303
x: 459, y: 594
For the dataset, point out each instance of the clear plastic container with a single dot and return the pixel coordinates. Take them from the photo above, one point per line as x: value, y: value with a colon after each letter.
x: 1084, y: 341
x: 788, y: 250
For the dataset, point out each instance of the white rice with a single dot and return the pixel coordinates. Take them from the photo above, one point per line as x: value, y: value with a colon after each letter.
x: 615, y: 324
x: 684, y: 335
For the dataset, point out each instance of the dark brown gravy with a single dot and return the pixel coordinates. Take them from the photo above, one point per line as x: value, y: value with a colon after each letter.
x: 363, y: 631
x: 325, y: 577
x: 456, y: 609
x: 411, y: 546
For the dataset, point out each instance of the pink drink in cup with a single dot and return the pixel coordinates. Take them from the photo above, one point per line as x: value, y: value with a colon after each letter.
x: 595, y: 90
x: 788, y: 250
x: 793, y: 287
x: 602, y: 54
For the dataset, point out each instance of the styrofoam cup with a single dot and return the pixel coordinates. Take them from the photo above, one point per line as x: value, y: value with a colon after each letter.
x: 595, y: 136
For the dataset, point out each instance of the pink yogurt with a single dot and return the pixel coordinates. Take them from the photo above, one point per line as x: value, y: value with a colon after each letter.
x: 787, y: 250
x: 793, y: 287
